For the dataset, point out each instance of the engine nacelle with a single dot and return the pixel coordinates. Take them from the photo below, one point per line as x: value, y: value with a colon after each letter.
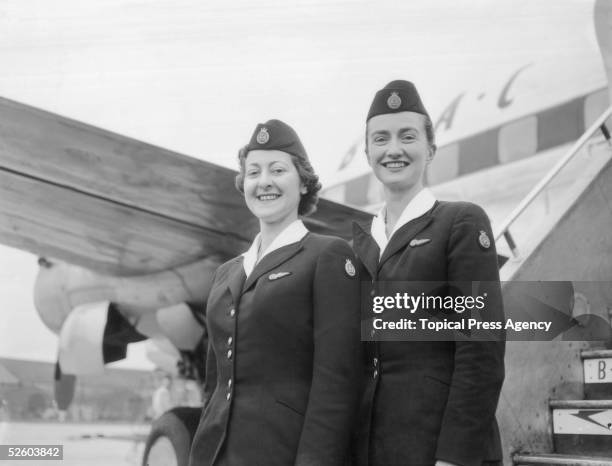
x: 93, y: 335
x: 62, y: 287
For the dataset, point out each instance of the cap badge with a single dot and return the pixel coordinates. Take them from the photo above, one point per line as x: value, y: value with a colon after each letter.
x: 263, y: 136
x: 394, y: 101
x: 484, y: 240
x: 349, y: 268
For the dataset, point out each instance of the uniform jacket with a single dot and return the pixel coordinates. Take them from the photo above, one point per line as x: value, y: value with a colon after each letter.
x: 429, y: 400
x: 282, y: 371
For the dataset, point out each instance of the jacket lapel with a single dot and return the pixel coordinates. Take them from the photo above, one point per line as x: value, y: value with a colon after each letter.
x: 271, y: 261
x: 235, y: 280
x: 404, y: 235
x: 366, y: 248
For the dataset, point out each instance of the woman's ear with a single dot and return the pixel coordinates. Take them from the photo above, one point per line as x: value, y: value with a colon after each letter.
x: 303, y: 189
x: 431, y: 153
x: 367, y: 156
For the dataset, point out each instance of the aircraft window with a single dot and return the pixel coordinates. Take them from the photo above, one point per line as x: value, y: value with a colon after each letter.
x: 445, y: 165
x: 363, y: 191
x: 594, y: 106
x: 478, y: 152
x: 560, y: 125
x: 518, y: 139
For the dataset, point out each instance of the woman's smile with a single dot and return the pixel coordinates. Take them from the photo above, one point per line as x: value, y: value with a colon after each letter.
x: 272, y: 186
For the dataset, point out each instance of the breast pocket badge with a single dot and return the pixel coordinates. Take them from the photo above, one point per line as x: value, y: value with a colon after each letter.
x: 277, y: 275
x: 419, y: 242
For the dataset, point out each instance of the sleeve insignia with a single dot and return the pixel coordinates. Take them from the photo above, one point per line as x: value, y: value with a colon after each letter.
x: 483, y: 240
x: 349, y: 268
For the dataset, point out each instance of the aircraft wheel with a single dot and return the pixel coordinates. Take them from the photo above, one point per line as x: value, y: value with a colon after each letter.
x: 170, y: 438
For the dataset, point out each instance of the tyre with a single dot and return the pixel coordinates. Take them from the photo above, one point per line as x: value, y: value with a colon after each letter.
x: 170, y: 438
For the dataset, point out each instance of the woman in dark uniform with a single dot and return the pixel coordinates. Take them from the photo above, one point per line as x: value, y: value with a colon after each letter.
x: 431, y: 400
x: 283, y: 322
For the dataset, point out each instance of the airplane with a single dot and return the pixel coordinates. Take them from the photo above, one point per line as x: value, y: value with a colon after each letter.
x: 129, y: 234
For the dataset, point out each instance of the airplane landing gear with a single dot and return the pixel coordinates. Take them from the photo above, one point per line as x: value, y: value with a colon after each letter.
x: 170, y: 438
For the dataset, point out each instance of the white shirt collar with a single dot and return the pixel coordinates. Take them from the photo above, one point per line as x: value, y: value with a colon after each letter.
x: 293, y: 233
x: 419, y: 205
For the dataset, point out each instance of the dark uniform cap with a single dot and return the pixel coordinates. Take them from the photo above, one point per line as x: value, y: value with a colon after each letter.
x: 276, y: 135
x: 397, y: 96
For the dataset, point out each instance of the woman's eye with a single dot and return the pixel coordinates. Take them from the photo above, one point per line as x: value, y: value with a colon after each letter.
x: 277, y: 171
x: 408, y: 137
x: 251, y: 173
x: 379, y: 139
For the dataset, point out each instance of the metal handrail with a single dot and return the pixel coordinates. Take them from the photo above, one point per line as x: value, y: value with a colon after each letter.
x: 599, y: 124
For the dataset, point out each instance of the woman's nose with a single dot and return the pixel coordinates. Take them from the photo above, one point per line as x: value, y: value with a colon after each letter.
x: 265, y: 180
x: 394, y: 148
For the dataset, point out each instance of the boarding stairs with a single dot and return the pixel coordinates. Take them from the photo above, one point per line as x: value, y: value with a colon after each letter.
x: 581, y: 429
x: 556, y: 404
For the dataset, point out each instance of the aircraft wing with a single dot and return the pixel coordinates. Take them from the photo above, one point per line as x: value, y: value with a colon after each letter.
x: 119, y: 206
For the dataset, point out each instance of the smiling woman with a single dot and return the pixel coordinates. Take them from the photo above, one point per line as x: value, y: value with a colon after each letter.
x: 272, y: 188
x: 431, y: 401
x: 399, y: 151
x: 308, y: 178
x: 283, y: 323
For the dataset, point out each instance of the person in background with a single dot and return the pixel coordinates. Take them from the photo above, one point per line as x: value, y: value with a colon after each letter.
x: 162, y: 397
x: 4, y: 411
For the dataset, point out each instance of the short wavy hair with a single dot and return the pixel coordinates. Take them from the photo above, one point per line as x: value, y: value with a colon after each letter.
x: 308, y: 201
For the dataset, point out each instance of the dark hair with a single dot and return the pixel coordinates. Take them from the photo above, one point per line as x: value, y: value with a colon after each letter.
x: 308, y: 201
x: 429, y: 132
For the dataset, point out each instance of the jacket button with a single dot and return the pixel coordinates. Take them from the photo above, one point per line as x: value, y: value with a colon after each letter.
x: 228, y: 396
x: 229, y: 383
x: 229, y: 354
x: 230, y: 340
x: 373, y: 293
x: 232, y: 312
x: 375, y: 374
x: 375, y: 362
